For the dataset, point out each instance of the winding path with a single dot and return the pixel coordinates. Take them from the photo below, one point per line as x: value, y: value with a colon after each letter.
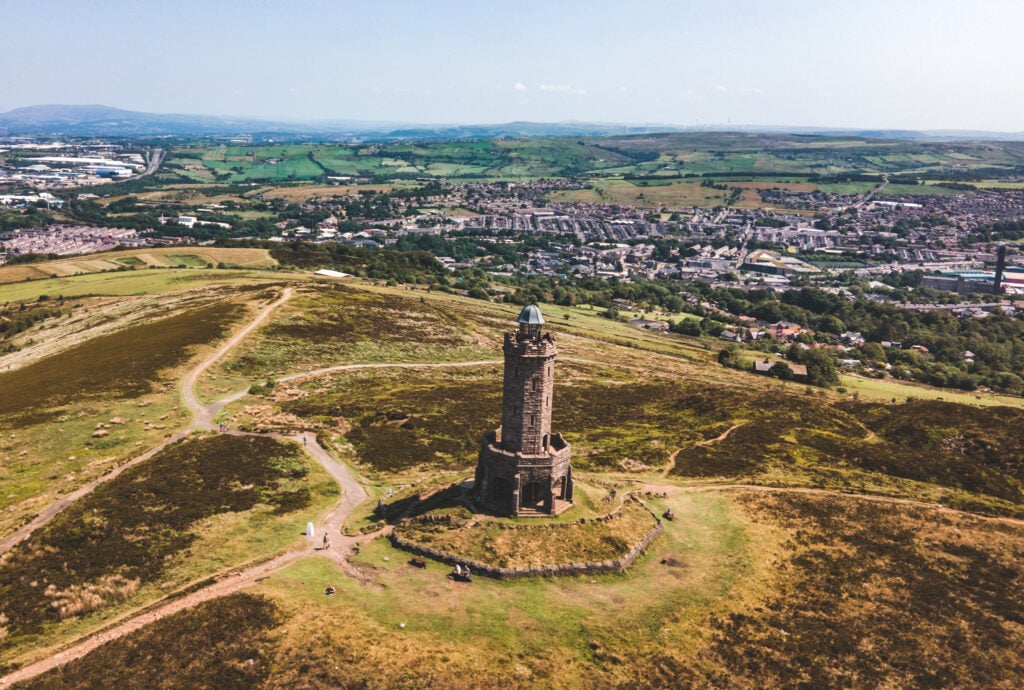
x: 226, y: 583
x: 202, y: 419
x: 202, y: 415
x: 352, y: 495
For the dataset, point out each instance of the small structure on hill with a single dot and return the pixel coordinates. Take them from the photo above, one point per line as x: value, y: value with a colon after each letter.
x: 524, y: 469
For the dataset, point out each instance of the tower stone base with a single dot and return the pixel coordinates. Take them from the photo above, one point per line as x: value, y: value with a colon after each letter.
x: 513, y: 483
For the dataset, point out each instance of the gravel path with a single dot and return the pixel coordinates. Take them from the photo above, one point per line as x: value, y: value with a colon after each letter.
x: 202, y: 419
x: 352, y: 495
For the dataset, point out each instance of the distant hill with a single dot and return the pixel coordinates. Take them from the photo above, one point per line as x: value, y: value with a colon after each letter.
x: 100, y: 120
x: 104, y: 121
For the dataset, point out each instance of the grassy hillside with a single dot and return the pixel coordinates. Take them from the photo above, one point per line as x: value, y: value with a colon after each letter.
x: 821, y: 539
x: 149, y: 530
x: 744, y: 590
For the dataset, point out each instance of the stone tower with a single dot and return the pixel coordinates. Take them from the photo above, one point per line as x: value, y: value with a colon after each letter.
x: 524, y: 469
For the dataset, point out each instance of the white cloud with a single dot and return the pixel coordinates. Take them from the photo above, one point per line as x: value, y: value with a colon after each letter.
x: 562, y: 88
x: 721, y: 88
x: 520, y: 86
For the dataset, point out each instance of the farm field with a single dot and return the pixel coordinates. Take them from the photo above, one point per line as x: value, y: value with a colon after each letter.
x: 156, y: 257
x: 787, y: 500
x: 528, y: 158
x: 674, y: 193
x: 135, y: 283
x: 681, y: 153
x: 645, y: 194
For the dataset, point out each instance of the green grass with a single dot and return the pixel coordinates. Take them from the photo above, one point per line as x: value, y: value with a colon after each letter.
x: 917, y: 190
x: 539, y: 631
x: 744, y: 589
x: 846, y: 187
x: 533, y: 544
x: 999, y: 184
x: 144, y: 282
x: 404, y: 419
x: 40, y: 462
x: 195, y: 507
x: 900, y: 391
x: 409, y: 421
x: 333, y: 324
x: 186, y: 261
x: 673, y: 194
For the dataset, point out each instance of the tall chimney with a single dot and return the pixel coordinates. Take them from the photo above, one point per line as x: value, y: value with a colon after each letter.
x: 997, y: 285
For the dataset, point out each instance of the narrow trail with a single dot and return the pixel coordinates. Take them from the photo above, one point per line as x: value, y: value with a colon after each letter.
x: 721, y: 437
x: 709, y: 442
x: 201, y: 420
x: 831, y: 493
x: 352, y: 495
x: 214, y: 408
x: 342, y: 547
x: 202, y: 415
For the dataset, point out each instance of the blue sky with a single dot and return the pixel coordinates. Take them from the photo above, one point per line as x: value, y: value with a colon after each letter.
x: 913, y: 64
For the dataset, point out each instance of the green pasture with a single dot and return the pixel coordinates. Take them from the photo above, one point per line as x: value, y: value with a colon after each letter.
x: 142, y: 282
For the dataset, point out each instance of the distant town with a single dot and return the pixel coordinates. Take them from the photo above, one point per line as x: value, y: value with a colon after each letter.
x: 871, y: 237
x: 789, y: 235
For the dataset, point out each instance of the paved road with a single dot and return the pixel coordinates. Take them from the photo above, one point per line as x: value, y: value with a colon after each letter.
x: 155, y: 159
x: 874, y: 192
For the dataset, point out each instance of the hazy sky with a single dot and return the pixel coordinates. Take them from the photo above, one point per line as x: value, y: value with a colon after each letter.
x: 919, y: 64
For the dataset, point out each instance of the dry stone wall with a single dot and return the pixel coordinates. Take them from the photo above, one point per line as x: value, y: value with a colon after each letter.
x: 617, y: 565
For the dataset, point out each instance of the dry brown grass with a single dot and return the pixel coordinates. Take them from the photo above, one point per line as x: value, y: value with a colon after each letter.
x: 674, y: 194
x: 541, y: 543
x: 79, y: 599
x: 870, y: 595
x: 220, y: 645
x: 159, y: 257
x: 801, y: 592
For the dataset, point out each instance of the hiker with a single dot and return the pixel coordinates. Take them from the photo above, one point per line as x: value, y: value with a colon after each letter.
x: 327, y: 542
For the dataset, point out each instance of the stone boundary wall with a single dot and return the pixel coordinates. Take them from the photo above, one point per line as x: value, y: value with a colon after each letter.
x: 617, y: 565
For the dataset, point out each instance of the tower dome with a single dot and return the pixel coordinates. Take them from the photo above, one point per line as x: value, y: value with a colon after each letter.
x: 531, y: 315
